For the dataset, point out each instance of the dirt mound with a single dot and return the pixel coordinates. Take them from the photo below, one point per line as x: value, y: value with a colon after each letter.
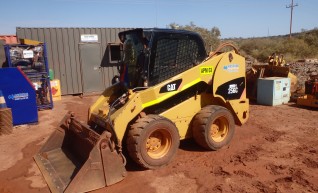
x: 303, y: 71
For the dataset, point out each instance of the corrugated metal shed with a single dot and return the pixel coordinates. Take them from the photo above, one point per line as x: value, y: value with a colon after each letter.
x: 63, y: 50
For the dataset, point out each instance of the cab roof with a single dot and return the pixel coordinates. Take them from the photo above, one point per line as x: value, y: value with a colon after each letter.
x: 158, y: 30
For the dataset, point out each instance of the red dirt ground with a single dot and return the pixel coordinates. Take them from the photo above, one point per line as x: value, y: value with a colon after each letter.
x: 275, y: 151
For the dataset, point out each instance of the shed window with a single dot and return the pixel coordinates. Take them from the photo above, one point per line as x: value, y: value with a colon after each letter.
x: 114, y: 53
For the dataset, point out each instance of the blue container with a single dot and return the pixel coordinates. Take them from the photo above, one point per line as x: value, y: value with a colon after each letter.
x: 273, y: 91
x: 19, y: 95
x: 36, y: 72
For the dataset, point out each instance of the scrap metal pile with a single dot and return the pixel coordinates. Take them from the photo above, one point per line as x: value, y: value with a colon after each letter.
x: 29, y: 59
x: 304, y: 70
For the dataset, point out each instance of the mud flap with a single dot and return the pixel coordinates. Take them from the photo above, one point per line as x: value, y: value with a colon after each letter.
x: 77, y: 159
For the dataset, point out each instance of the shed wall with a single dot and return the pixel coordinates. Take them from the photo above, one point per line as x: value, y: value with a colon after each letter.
x: 64, y: 55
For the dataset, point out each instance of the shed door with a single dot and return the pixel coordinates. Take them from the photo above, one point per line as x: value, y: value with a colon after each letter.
x: 90, y: 57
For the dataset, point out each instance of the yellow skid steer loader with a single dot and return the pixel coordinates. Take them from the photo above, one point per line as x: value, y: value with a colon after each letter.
x: 168, y: 90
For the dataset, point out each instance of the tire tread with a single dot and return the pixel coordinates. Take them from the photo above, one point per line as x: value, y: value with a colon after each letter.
x: 201, y: 121
x: 135, y: 133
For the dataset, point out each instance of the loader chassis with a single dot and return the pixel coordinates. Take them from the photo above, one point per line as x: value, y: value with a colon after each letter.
x: 169, y: 90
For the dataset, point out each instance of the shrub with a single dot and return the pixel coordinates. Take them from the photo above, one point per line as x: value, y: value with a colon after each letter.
x: 210, y: 37
x: 302, y: 45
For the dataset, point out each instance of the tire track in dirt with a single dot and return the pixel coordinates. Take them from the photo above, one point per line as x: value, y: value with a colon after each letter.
x: 299, y: 177
x: 248, y: 155
x: 274, y: 149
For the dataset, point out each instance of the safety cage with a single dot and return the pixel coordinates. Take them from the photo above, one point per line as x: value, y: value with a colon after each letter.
x: 173, y: 54
x: 166, y: 53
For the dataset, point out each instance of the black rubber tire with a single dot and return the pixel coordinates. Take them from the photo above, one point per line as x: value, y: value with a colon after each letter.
x: 223, y: 127
x: 146, y: 131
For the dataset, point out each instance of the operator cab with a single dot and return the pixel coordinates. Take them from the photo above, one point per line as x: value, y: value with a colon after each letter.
x: 151, y: 56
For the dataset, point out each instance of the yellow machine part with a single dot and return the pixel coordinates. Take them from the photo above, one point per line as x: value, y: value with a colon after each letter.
x: 30, y: 42
x: 77, y: 159
x: 293, y: 82
x: 214, y: 72
x: 307, y: 100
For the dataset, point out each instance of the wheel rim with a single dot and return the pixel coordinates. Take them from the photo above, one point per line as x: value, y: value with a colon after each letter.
x: 158, y: 143
x: 219, y: 129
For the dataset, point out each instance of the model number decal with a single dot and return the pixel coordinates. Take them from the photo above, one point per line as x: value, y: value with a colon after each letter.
x: 206, y: 70
x: 233, y: 89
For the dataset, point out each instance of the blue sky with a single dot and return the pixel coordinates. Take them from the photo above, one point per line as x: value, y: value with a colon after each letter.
x: 234, y: 18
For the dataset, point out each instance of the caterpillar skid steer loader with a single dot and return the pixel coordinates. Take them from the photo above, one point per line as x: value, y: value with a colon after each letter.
x: 169, y: 89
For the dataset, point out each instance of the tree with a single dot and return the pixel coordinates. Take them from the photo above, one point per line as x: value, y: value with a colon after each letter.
x: 210, y: 37
x: 216, y: 32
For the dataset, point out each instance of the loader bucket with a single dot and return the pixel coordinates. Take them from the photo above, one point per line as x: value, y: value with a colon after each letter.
x: 77, y: 159
x: 262, y: 71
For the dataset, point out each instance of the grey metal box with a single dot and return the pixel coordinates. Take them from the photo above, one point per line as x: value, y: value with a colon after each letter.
x: 273, y: 91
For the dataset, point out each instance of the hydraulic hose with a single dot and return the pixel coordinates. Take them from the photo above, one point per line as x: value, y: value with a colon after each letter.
x: 222, y: 46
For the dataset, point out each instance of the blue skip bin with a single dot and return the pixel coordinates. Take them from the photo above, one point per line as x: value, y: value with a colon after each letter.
x: 19, y: 95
